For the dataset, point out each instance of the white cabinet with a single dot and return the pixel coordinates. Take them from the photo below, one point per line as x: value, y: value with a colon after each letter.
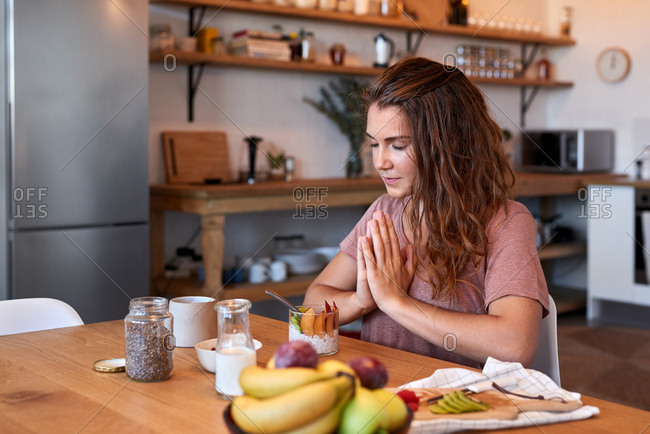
x: 610, y: 213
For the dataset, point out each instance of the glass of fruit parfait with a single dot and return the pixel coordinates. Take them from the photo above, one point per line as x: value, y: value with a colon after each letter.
x: 317, y: 325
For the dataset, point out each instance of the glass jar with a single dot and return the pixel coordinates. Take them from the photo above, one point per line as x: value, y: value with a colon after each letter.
x: 327, y: 5
x: 566, y: 17
x: 307, y: 48
x: 457, y: 12
x: 387, y: 8
x: 543, y: 68
x: 162, y: 37
x: 235, y: 349
x: 149, y: 340
x: 337, y: 53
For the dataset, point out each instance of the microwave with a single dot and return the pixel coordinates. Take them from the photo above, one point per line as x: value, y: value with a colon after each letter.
x: 567, y: 151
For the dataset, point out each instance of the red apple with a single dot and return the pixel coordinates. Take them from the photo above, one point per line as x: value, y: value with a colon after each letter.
x: 295, y: 353
x: 371, y: 372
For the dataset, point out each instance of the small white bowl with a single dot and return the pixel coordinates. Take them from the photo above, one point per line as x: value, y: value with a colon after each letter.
x: 206, y: 354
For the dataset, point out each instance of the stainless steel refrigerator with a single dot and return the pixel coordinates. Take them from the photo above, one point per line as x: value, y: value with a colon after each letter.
x: 76, y: 134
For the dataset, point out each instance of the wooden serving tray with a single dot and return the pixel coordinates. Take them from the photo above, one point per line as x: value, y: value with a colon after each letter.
x: 502, y: 406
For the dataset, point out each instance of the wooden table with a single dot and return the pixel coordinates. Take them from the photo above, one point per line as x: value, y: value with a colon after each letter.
x: 47, y: 384
x: 213, y: 202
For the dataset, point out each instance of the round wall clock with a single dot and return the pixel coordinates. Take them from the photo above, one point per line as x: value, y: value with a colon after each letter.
x: 613, y: 64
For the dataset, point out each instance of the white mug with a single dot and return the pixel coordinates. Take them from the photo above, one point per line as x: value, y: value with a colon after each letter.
x: 195, y: 319
x: 258, y: 273
x: 278, y: 271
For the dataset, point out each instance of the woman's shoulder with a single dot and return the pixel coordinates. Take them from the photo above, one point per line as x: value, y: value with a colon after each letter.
x: 512, y: 211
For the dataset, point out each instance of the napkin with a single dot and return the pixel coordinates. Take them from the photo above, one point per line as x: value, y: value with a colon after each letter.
x: 530, y: 382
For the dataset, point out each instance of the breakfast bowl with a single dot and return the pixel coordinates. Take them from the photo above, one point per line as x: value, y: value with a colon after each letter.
x: 205, y: 351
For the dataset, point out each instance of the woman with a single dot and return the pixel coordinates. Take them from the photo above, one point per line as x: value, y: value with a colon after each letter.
x: 444, y: 264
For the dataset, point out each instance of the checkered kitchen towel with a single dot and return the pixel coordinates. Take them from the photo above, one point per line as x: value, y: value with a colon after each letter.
x: 530, y: 382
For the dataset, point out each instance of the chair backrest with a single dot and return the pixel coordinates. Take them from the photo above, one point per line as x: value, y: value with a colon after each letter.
x: 31, y: 314
x: 547, y: 360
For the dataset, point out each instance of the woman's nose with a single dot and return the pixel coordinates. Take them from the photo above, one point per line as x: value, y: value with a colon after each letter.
x: 381, y: 158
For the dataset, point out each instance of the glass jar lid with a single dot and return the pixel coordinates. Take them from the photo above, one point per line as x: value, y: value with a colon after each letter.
x: 110, y: 365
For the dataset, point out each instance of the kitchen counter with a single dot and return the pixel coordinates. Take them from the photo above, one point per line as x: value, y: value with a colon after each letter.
x: 213, y: 202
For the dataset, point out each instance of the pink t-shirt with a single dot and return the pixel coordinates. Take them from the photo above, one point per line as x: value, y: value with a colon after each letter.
x: 511, y: 267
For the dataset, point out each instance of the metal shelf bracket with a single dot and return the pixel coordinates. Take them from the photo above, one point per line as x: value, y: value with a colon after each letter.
x: 526, y: 99
x: 195, y: 72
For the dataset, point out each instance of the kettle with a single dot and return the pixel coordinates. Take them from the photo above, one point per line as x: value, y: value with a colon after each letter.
x: 385, y: 49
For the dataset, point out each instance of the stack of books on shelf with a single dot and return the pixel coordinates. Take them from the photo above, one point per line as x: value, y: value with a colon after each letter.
x: 257, y: 43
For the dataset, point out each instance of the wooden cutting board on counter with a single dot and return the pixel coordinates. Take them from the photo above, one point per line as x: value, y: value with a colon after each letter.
x: 196, y: 157
x: 502, y: 406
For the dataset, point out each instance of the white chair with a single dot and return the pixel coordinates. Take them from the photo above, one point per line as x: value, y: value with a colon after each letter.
x: 31, y: 314
x: 547, y: 360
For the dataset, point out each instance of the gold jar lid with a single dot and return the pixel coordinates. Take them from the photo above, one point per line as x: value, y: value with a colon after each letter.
x: 110, y: 365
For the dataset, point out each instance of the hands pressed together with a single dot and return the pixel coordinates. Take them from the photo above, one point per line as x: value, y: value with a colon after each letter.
x: 384, y: 271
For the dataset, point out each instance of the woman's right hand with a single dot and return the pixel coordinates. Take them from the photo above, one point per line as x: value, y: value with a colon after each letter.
x: 364, y: 298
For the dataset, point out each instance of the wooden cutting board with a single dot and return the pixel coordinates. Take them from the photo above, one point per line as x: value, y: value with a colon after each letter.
x: 196, y: 156
x: 502, y: 406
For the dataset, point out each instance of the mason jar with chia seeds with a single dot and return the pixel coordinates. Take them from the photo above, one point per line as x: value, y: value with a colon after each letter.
x: 149, y: 340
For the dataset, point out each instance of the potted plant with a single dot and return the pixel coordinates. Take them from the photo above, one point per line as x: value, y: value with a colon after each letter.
x: 276, y: 161
x: 341, y: 103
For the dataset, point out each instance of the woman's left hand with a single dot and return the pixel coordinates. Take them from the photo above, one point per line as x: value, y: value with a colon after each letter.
x: 389, y: 269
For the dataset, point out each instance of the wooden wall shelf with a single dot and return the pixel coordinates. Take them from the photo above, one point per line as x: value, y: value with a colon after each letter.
x: 398, y: 23
x: 194, y: 58
x: 191, y: 58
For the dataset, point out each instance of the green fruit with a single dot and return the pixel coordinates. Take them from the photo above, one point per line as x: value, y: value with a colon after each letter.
x: 477, y: 405
x: 457, y: 402
x: 295, y: 322
x: 453, y: 400
x: 435, y: 408
x: 443, y: 404
x: 394, y: 412
x: 361, y: 415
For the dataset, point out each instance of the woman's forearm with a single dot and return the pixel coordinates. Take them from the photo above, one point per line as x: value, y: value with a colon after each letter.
x: 510, y: 332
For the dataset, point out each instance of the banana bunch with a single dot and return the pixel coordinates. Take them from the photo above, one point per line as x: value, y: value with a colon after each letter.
x: 291, y: 400
x: 457, y: 402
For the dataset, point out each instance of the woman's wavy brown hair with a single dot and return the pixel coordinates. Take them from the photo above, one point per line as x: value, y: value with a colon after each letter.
x: 463, y: 174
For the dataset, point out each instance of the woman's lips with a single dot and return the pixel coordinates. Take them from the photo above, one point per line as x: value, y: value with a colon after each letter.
x: 390, y: 181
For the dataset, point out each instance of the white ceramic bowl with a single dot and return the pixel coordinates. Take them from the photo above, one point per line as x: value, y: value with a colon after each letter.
x: 206, y: 354
x: 301, y: 261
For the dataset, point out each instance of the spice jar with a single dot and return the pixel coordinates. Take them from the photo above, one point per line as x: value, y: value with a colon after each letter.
x: 337, y: 53
x: 543, y: 68
x: 566, y: 17
x: 162, y: 37
x: 307, y: 47
x: 149, y: 339
x: 235, y: 349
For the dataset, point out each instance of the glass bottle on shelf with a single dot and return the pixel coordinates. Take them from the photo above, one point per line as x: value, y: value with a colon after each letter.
x: 457, y: 12
x: 543, y: 67
x: 566, y: 17
x: 308, y: 47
